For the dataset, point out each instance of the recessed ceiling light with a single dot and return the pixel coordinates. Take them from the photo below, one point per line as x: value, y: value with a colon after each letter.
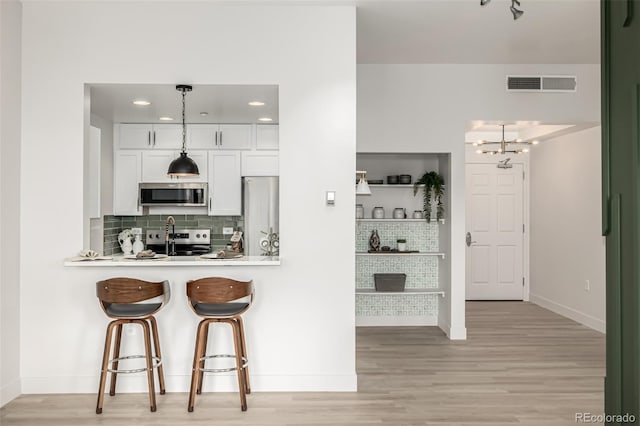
x: 141, y: 102
x: 265, y: 119
x: 535, y: 142
x: 166, y: 118
x: 204, y: 113
x: 256, y: 103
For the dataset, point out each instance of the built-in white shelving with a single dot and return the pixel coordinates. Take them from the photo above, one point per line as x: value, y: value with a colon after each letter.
x: 407, y: 291
x: 395, y: 253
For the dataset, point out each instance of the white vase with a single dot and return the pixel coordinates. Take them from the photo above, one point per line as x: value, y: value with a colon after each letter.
x: 138, y: 245
x: 126, y: 246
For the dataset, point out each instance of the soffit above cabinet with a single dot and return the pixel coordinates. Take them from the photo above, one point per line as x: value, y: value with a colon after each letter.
x: 223, y: 103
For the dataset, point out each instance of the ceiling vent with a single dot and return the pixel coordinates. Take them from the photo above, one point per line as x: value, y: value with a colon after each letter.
x: 542, y: 83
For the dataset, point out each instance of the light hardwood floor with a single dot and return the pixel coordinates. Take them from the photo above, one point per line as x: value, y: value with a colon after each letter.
x: 521, y: 365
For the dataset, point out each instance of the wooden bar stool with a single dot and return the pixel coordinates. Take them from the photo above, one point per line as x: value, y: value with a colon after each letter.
x: 119, y: 299
x: 216, y: 300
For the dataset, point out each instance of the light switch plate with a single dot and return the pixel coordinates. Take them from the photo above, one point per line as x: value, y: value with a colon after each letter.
x: 135, y: 231
x: 227, y: 230
x: 331, y: 198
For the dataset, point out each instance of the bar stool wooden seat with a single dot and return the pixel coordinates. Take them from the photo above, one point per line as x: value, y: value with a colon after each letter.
x: 216, y: 299
x: 119, y: 299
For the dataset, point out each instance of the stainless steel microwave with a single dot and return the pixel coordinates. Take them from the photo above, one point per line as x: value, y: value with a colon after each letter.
x: 173, y: 194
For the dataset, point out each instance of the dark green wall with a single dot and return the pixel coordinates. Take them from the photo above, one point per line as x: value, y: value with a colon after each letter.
x: 621, y: 208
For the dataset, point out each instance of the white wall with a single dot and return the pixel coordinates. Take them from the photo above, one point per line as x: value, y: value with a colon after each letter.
x: 294, y: 344
x: 567, y: 247
x: 10, y: 42
x: 426, y: 108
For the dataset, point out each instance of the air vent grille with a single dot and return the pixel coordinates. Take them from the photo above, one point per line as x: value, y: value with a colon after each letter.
x: 542, y: 83
x: 524, y: 83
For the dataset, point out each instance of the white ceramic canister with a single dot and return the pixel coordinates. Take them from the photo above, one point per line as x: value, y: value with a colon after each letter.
x: 417, y: 214
x: 138, y: 245
x: 359, y: 211
x: 398, y: 213
x: 377, y: 213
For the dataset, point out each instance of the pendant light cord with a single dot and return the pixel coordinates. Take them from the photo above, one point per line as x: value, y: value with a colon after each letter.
x: 184, y: 125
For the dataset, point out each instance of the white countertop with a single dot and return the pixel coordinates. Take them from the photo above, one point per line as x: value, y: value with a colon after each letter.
x: 119, y: 260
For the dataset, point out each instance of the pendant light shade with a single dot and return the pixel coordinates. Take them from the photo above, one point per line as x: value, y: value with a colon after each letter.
x: 183, y: 166
x: 363, y: 186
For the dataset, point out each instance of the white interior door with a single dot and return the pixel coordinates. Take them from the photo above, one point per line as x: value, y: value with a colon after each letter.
x: 495, y: 232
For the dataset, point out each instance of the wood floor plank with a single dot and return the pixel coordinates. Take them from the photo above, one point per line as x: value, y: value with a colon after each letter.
x: 521, y: 365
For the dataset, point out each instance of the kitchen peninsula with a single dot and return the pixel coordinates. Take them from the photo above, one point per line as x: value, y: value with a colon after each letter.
x: 179, y: 261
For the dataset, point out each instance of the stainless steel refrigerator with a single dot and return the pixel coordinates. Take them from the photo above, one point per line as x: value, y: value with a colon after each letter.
x: 261, y: 211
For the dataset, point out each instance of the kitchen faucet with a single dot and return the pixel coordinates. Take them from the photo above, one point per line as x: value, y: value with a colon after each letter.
x: 170, y: 221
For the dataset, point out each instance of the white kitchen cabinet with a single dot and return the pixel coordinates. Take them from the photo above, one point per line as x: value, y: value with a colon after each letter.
x: 148, y: 136
x: 260, y: 163
x: 167, y: 136
x: 267, y: 136
x: 225, y: 184
x: 220, y: 136
x: 156, y: 163
x: 127, y: 174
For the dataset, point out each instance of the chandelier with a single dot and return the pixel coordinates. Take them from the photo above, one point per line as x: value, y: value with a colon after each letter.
x: 505, y: 146
x: 514, y: 10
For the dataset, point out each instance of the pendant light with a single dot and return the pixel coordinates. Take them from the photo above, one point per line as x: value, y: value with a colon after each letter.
x: 363, y: 185
x: 183, y: 166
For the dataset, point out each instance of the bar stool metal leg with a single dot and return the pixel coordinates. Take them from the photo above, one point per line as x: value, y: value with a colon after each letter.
x: 244, y: 354
x: 156, y: 343
x: 116, y: 354
x: 239, y: 362
x: 149, y: 359
x: 105, y: 363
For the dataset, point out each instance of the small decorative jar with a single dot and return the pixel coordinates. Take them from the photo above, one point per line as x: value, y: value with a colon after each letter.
x: 402, y: 244
x: 138, y: 245
x: 374, y: 241
x: 377, y: 213
x: 126, y: 246
x: 417, y: 214
x: 359, y: 211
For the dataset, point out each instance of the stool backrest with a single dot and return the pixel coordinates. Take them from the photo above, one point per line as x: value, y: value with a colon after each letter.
x: 130, y: 290
x: 218, y: 290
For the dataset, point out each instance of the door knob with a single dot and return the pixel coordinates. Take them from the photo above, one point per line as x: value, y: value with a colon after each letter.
x: 469, y: 242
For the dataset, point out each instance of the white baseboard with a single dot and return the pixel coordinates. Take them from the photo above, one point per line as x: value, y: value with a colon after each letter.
x: 180, y: 383
x: 9, y: 392
x: 391, y: 321
x: 565, y: 311
x: 453, y: 333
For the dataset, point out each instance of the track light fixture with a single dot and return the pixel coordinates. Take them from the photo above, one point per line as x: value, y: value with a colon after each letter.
x: 517, y: 13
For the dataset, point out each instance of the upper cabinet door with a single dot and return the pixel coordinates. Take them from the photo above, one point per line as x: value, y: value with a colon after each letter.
x: 126, y: 177
x: 267, y: 136
x: 155, y: 165
x: 202, y: 136
x: 134, y: 136
x: 235, y: 136
x: 167, y: 136
x: 225, y: 184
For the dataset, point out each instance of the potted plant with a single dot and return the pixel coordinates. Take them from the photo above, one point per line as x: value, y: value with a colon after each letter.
x: 432, y: 184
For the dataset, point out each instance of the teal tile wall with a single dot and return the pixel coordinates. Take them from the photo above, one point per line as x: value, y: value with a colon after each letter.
x: 422, y: 271
x: 421, y: 236
x: 113, y: 225
x: 368, y: 305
